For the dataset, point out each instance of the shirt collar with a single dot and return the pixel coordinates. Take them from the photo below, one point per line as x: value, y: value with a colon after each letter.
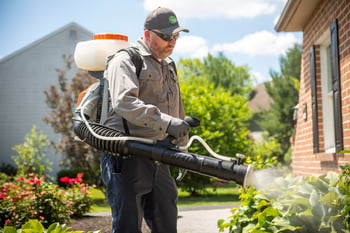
x: 145, y: 51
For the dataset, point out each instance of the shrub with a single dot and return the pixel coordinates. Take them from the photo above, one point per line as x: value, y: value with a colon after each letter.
x: 37, y: 227
x: 31, y: 156
x: 311, y: 204
x: 34, y: 198
x: 8, y: 169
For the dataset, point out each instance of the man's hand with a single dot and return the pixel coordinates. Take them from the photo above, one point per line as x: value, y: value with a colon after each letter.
x: 178, y: 128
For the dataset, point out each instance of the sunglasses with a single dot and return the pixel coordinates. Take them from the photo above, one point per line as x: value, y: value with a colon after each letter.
x: 166, y: 37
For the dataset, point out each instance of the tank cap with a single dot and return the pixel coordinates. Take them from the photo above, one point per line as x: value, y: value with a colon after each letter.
x: 110, y: 36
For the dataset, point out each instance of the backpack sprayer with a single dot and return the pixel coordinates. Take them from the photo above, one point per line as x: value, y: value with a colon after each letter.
x: 92, y: 56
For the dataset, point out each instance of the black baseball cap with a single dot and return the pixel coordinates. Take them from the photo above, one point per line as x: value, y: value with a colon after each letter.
x: 164, y: 20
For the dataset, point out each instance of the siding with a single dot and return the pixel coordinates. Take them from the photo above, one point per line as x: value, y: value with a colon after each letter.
x: 24, y: 76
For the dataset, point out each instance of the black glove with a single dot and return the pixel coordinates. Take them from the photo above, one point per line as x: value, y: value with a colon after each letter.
x: 178, y: 128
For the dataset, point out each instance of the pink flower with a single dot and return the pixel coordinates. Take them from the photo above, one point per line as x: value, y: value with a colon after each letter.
x: 77, y: 180
x: 64, y: 179
x: 80, y: 175
x: 3, y: 195
x: 20, y: 179
x: 31, y: 180
x: 31, y: 174
x: 42, y: 217
x: 7, y: 221
x: 38, y: 182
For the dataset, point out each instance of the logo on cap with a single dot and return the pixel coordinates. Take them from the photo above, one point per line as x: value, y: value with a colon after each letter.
x: 172, y: 19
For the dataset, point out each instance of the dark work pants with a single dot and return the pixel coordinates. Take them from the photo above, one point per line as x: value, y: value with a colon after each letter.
x: 139, y: 188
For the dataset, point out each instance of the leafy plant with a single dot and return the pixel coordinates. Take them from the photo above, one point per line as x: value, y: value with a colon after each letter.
x: 32, y: 153
x: 34, y: 226
x: 312, y: 204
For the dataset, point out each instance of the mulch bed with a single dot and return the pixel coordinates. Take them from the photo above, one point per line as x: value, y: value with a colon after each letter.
x: 94, y: 223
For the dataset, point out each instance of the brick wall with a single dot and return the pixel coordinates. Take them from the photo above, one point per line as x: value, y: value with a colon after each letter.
x: 304, y: 161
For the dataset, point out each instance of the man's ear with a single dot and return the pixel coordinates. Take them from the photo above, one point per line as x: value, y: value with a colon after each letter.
x: 146, y: 34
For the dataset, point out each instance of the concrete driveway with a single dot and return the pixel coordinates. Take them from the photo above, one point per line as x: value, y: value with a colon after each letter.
x: 202, y: 219
x: 195, y: 219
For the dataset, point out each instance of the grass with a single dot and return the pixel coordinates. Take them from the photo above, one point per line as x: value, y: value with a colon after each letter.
x: 225, y: 195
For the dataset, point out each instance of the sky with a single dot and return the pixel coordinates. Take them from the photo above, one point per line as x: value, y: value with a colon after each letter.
x: 242, y: 29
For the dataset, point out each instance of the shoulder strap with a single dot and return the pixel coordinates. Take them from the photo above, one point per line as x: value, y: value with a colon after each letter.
x: 136, y: 58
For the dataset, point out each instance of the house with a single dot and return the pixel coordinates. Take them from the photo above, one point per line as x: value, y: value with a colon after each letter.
x: 259, y: 101
x: 24, y: 75
x: 322, y: 130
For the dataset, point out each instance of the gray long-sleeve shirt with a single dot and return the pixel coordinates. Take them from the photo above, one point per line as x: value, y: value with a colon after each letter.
x: 147, y: 102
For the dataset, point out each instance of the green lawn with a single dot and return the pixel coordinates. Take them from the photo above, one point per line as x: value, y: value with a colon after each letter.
x: 225, y: 195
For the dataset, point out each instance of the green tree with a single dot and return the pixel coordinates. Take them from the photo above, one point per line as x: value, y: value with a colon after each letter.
x: 223, y: 73
x: 223, y: 118
x: 284, y: 90
x: 31, y: 154
x: 62, y: 99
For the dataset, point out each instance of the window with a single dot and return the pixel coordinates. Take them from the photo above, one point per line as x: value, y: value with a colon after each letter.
x: 330, y: 92
x: 327, y: 95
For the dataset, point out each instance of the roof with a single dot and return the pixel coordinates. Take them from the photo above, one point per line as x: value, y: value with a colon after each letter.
x: 295, y: 15
x: 260, y: 99
x: 68, y: 26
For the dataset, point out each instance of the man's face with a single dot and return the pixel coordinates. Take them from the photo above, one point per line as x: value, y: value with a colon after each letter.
x: 160, y: 47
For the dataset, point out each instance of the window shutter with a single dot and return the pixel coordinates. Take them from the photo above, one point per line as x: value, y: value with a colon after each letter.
x: 339, y: 146
x: 314, y: 99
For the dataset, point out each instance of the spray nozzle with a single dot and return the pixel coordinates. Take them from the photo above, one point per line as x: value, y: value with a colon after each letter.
x: 240, y: 158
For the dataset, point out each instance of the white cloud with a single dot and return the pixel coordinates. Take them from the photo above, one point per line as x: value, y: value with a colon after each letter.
x: 192, y: 46
x: 231, y: 9
x: 259, y: 78
x: 259, y: 43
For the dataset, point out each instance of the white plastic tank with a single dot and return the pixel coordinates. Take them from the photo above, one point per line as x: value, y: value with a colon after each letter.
x: 92, y: 54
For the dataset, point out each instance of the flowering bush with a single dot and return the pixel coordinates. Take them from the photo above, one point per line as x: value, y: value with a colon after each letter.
x: 33, y: 198
x: 77, y: 195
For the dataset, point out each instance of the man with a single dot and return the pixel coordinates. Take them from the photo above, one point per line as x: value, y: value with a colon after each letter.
x: 151, y: 104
